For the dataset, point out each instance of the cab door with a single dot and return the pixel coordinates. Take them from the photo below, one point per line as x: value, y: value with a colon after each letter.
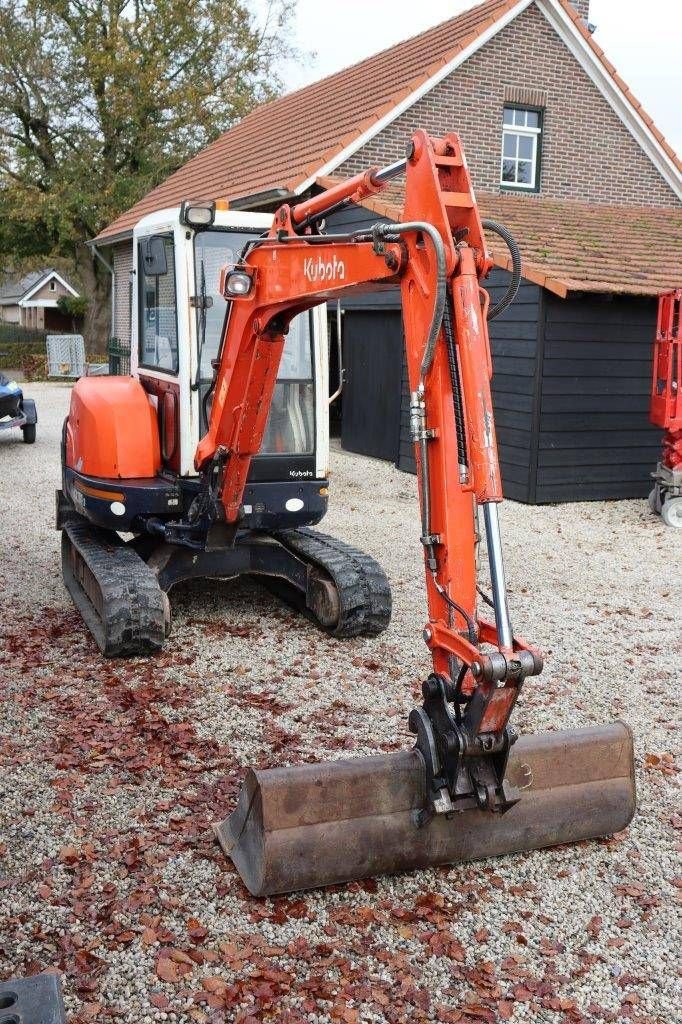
x: 155, y: 325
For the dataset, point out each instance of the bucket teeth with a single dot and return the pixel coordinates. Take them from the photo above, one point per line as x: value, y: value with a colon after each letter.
x: 316, y: 825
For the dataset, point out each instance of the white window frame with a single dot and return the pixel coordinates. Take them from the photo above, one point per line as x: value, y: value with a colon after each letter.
x: 523, y: 130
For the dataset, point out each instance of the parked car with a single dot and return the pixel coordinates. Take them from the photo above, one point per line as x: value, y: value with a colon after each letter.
x: 17, y: 411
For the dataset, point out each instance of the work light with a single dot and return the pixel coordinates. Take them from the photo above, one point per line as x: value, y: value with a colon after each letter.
x: 197, y: 215
x: 237, y: 282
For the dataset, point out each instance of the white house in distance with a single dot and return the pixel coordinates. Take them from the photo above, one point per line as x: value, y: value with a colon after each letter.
x: 31, y: 300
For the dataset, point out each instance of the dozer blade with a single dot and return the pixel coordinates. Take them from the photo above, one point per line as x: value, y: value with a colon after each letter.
x: 319, y: 824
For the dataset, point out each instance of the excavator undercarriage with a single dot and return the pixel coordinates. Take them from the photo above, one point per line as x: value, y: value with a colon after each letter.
x: 121, y: 588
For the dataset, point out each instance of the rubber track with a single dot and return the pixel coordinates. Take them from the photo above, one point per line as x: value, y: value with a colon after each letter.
x: 125, y: 608
x: 364, y: 591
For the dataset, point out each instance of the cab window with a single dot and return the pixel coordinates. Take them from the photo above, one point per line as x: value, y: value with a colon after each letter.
x: 291, y: 425
x: 158, y: 324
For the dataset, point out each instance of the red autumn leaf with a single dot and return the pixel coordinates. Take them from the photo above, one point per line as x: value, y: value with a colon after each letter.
x: 298, y: 909
x: 166, y: 970
x: 179, y: 956
x: 505, y: 1009
x: 196, y: 930
x: 522, y: 994
x: 159, y: 1000
x: 68, y: 855
x: 214, y: 985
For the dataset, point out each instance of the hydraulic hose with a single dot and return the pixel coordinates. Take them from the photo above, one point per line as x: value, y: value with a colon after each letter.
x: 387, y: 231
x: 515, y: 281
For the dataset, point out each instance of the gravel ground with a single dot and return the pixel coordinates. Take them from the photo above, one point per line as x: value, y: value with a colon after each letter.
x: 112, y: 774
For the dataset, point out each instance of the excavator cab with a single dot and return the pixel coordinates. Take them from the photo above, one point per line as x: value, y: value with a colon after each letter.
x: 177, y: 318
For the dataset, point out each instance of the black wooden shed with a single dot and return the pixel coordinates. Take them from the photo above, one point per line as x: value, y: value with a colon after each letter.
x: 571, y: 387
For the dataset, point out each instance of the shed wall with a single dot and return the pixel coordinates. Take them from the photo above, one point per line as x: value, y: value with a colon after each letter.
x: 513, y: 338
x: 594, y: 436
x: 513, y: 341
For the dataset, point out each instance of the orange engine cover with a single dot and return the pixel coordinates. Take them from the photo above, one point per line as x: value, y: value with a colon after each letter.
x: 112, y: 429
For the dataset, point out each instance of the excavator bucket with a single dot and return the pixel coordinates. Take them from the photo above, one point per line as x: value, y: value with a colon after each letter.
x: 320, y: 824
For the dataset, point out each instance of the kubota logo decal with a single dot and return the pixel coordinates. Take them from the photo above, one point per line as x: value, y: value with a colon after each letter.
x: 324, y: 270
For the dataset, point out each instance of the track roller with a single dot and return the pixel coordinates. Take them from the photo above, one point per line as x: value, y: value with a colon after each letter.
x: 351, y: 595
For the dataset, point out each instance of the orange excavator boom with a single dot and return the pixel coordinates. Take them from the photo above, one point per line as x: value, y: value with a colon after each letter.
x: 437, y: 257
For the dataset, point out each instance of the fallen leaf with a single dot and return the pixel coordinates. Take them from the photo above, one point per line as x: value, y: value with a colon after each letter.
x: 166, y: 970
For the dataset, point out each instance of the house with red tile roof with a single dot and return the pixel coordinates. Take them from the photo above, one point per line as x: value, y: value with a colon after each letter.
x: 563, y: 154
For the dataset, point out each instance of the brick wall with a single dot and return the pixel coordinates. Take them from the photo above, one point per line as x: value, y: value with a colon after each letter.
x: 123, y: 266
x: 587, y: 153
x: 583, y: 8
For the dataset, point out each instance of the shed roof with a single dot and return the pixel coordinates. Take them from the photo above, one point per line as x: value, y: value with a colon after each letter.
x: 291, y: 140
x: 568, y: 246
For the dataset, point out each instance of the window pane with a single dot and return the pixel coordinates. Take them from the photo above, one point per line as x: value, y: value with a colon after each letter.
x: 532, y: 119
x: 520, y: 117
x: 508, y: 115
x: 213, y: 250
x: 509, y: 148
x: 508, y: 167
x: 291, y: 423
x: 523, y: 173
x: 158, y: 320
x: 296, y: 361
x: 525, y: 147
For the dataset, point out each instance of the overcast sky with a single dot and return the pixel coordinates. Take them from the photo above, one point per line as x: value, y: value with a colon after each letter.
x: 641, y: 39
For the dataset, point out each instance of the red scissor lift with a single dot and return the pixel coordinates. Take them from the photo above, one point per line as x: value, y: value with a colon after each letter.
x: 666, y: 409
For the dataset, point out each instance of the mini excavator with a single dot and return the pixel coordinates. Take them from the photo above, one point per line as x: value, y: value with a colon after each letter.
x: 470, y: 787
x: 130, y: 494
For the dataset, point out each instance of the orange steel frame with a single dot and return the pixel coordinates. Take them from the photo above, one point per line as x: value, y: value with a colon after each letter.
x: 666, y: 390
x: 291, y: 276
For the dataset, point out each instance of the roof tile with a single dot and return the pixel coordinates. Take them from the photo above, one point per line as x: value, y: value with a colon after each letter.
x: 572, y: 246
x: 285, y: 141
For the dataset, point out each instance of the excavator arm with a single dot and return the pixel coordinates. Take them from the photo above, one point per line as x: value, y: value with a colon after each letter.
x: 457, y: 794
x: 437, y: 256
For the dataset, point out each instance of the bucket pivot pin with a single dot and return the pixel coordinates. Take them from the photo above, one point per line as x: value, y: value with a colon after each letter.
x: 462, y: 769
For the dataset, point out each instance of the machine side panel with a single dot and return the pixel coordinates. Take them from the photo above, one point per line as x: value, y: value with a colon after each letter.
x: 112, y: 430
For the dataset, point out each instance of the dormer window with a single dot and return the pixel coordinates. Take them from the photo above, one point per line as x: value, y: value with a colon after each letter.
x: 521, y: 134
